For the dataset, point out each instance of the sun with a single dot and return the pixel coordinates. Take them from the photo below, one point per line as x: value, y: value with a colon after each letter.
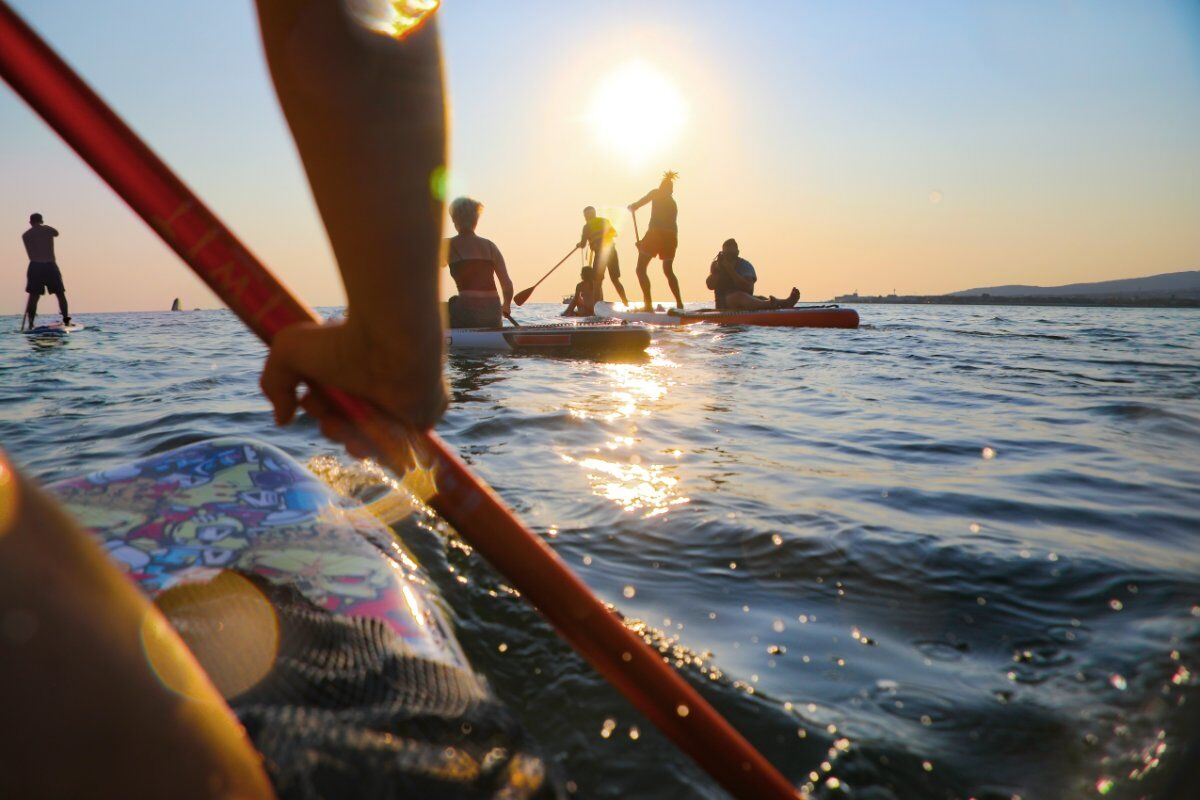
x: 637, y: 112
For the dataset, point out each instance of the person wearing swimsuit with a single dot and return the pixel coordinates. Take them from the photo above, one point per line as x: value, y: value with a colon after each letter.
x: 474, y: 264
x: 661, y: 239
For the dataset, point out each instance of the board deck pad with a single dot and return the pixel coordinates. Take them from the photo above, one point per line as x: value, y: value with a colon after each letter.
x: 186, y: 515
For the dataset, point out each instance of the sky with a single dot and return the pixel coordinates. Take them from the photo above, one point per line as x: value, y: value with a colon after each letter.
x: 848, y: 146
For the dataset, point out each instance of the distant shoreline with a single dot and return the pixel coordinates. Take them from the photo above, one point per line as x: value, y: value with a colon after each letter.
x: 1033, y: 300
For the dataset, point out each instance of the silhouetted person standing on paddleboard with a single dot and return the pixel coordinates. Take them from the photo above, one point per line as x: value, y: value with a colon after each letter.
x: 732, y: 280
x: 661, y: 239
x: 475, y: 264
x: 43, y: 275
x: 598, y: 233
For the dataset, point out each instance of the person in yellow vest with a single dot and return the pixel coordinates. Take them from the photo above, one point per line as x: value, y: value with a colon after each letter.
x: 599, y: 234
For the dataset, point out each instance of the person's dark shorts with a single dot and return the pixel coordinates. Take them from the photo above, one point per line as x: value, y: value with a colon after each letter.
x: 43, y: 277
x: 602, y: 262
x: 659, y: 243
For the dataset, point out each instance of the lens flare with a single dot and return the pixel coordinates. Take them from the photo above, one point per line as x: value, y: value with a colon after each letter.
x: 392, y: 17
x: 8, y: 495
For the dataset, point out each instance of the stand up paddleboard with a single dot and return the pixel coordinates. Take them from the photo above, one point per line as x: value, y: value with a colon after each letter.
x: 564, y: 339
x: 799, y: 317
x: 53, y: 329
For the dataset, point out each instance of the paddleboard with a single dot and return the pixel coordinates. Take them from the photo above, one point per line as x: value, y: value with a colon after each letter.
x: 567, y: 339
x: 54, y: 329
x: 830, y: 316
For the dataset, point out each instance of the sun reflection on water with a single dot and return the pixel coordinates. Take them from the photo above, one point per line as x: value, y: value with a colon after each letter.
x: 635, y: 487
x: 636, y: 387
x: 652, y: 489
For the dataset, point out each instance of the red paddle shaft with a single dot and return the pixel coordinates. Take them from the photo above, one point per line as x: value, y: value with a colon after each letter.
x: 167, y: 205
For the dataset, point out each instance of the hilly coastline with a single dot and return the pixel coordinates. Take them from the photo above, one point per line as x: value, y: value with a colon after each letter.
x: 1166, y: 290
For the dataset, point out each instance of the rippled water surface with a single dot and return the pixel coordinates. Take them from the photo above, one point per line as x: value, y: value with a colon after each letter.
x: 951, y: 554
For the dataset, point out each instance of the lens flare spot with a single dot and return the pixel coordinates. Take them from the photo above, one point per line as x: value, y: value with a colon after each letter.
x: 228, y: 625
x: 395, y: 18
x: 9, y: 496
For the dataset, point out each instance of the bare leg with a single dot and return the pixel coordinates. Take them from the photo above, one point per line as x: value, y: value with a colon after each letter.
x: 599, y: 267
x: 644, y: 279
x: 672, y: 281
x: 31, y: 309
x: 742, y: 301
x: 62, y: 306
x: 616, y: 282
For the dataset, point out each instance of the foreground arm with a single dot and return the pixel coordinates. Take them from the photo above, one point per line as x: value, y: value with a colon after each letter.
x: 101, y: 697
x: 366, y: 111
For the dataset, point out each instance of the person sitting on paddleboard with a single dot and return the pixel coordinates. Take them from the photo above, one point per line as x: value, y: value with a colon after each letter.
x: 583, y: 304
x: 473, y: 262
x: 661, y: 239
x: 732, y: 280
x: 43, y: 275
x: 598, y: 233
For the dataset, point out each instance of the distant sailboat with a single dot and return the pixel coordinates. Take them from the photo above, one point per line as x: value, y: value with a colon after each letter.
x: 175, y: 305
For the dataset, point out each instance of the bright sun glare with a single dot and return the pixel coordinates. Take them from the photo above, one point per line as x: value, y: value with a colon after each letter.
x: 637, y: 112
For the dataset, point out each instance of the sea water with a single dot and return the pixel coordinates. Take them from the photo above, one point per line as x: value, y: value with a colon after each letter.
x: 953, y: 553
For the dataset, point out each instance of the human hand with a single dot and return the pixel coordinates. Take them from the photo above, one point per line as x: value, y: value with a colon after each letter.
x: 506, y: 309
x: 397, y: 371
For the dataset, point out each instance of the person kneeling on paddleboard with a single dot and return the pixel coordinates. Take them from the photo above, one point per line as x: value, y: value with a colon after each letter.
x: 732, y: 280
x: 661, y: 239
x: 583, y: 304
x: 473, y: 262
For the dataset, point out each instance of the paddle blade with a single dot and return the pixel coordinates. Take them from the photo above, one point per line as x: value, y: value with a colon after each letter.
x: 520, y: 297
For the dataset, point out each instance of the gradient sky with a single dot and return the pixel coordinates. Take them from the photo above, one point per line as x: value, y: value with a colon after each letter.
x: 926, y: 147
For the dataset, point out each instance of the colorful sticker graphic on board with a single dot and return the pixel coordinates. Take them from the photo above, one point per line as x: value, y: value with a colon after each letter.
x: 187, y: 514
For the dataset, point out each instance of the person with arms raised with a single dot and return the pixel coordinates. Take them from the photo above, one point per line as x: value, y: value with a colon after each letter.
x: 661, y: 239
